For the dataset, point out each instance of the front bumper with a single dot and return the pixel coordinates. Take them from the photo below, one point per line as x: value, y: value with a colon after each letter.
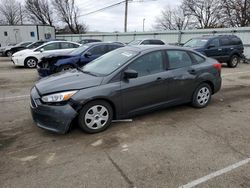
x: 50, y: 117
x: 17, y: 61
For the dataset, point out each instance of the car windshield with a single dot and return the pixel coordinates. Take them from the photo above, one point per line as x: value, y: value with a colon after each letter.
x: 109, y: 62
x: 196, y: 43
x: 135, y: 42
x: 79, y: 50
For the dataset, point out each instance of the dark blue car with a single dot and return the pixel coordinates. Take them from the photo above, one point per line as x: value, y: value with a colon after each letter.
x: 224, y: 48
x: 77, y: 58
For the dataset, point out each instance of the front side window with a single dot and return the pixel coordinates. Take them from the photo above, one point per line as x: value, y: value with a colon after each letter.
x: 198, y: 42
x: 98, y: 50
x: 148, y: 64
x: 51, y: 46
x: 178, y: 59
x: 224, y: 41
x: 156, y: 42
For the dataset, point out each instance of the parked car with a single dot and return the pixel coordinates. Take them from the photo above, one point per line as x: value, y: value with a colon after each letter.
x: 2, y: 49
x: 30, y: 57
x: 146, y: 42
x: 77, y: 58
x: 8, y: 50
x: 123, y: 83
x: 85, y: 41
x: 225, y: 48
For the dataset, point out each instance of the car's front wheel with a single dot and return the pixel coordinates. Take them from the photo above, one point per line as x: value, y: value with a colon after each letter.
x: 30, y: 62
x: 234, y: 61
x: 64, y: 68
x: 202, y: 96
x: 96, y: 116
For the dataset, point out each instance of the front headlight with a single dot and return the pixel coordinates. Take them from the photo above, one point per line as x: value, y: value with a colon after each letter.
x: 58, y: 97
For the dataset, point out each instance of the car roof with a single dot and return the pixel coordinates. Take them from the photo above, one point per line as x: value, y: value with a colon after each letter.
x: 98, y: 43
x: 213, y: 36
x: 142, y: 48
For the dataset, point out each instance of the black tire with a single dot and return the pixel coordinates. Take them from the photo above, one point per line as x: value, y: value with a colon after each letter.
x: 64, y: 68
x: 9, y: 53
x: 202, y: 96
x: 30, y: 62
x: 234, y: 61
x: 91, y: 120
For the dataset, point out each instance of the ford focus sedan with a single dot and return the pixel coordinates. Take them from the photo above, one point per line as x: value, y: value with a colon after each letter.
x: 123, y: 83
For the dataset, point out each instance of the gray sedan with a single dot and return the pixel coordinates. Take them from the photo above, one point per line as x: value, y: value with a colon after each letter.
x: 123, y: 83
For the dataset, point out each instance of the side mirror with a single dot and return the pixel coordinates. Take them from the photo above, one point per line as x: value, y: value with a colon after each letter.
x: 130, y: 73
x: 211, y: 46
x: 87, y: 54
x: 42, y: 50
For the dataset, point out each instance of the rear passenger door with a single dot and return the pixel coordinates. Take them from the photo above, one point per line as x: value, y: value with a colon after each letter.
x: 183, y: 73
x: 225, y: 48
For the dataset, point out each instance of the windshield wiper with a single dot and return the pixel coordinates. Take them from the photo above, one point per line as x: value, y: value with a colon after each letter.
x: 85, y: 72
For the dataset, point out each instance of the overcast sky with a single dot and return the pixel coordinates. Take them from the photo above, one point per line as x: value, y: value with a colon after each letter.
x: 113, y: 19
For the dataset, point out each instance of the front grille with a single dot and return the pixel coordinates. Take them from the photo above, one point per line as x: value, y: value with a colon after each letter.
x: 44, y: 64
x: 33, y: 103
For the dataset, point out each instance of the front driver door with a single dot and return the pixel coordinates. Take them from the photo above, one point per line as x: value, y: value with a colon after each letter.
x: 149, y: 88
x: 94, y: 53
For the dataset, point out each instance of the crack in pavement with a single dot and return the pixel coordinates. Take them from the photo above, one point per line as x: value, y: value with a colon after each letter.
x: 222, y: 138
x: 126, y: 178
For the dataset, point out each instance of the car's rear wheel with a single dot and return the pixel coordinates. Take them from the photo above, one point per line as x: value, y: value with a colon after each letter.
x: 202, y: 96
x: 9, y: 53
x: 234, y: 61
x: 65, y: 68
x: 95, y: 116
x: 30, y: 62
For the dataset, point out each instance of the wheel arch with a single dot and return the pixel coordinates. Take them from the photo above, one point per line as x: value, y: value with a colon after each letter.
x: 102, y: 99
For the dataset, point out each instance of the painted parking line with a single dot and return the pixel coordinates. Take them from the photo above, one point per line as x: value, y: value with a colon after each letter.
x: 13, y: 97
x: 234, y: 73
x: 21, y: 72
x: 215, y: 174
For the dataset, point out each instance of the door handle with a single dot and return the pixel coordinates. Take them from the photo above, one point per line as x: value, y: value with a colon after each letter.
x: 192, y: 71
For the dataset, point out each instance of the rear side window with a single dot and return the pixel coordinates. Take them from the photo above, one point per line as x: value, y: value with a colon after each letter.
x: 224, y: 41
x: 52, y: 46
x: 148, y: 64
x: 235, y: 41
x: 67, y: 45
x: 215, y: 42
x: 197, y: 58
x: 178, y: 59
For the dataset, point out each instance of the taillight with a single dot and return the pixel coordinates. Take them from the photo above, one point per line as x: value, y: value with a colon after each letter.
x: 217, y: 66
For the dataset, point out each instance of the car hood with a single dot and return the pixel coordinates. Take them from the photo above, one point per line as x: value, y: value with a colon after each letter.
x: 54, y: 58
x: 25, y: 51
x: 65, y: 81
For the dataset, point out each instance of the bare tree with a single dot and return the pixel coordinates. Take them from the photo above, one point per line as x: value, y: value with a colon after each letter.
x: 39, y: 11
x: 173, y: 19
x: 207, y: 13
x: 236, y: 12
x: 69, y: 13
x: 10, y: 12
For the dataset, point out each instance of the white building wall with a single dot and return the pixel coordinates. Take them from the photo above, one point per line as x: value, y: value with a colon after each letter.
x: 167, y: 36
x: 20, y: 33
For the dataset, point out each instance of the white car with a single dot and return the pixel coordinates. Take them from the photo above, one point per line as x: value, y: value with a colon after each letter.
x: 146, y: 42
x: 30, y: 57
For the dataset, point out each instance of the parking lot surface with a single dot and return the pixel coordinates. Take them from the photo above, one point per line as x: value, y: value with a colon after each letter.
x: 167, y: 148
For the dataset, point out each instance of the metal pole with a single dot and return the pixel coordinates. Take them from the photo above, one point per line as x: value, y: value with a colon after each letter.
x: 143, y: 24
x: 126, y: 16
